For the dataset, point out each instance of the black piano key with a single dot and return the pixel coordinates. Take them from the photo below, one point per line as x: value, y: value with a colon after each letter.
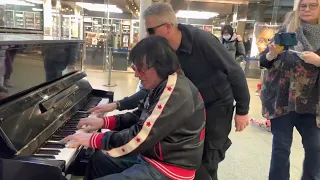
x: 73, y: 120
x: 80, y: 115
x: 65, y: 134
x: 72, y: 123
x: 96, y: 98
x: 48, y: 152
x: 55, y: 135
x: 54, y: 145
x: 69, y: 128
x: 43, y: 156
x: 66, y: 131
x: 56, y: 138
x: 85, y: 109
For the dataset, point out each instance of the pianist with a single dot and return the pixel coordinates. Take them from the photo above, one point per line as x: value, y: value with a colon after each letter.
x: 161, y: 140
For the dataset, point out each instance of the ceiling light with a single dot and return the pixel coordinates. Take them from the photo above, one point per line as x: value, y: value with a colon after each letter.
x: 37, y: 9
x: 35, y: 1
x: 196, y: 14
x: 99, y: 7
x: 15, y: 2
x: 246, y: 20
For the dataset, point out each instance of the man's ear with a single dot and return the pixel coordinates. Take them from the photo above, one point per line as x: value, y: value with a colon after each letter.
x: 169, y: 27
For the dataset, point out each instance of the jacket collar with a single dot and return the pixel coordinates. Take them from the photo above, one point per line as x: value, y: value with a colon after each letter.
x: 187, y: 38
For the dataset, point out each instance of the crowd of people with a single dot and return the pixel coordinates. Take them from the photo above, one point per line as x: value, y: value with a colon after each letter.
x: 191, y: 88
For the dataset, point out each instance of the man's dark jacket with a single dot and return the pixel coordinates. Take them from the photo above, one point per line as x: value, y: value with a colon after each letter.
x: 212, y: 70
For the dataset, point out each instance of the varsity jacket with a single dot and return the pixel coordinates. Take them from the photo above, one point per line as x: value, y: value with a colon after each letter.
x: 168, y: 129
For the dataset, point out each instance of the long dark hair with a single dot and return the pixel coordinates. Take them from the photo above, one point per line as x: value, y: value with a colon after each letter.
x: 158, y: 54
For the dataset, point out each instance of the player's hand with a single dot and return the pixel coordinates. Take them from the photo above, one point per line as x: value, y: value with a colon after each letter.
x: 103, y: 108
x: 78, y: 139
x: 91, y: 124
x: 241, y: 122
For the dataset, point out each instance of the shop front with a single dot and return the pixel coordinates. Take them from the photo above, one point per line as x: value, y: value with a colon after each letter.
x: 114, y: 24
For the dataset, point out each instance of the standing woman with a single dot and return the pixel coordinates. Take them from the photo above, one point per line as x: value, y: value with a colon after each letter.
x: 233, y: 43
x: 290, y: 92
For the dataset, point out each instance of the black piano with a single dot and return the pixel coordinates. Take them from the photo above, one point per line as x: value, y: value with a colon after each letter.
x: 33, y: 122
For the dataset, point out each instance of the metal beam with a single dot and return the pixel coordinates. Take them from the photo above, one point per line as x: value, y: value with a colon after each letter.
x: 223, y: 1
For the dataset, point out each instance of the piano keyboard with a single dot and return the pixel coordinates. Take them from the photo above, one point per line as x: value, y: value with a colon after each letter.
x: 56, y: 150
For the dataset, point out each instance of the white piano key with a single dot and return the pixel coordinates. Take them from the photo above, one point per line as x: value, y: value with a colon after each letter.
x: 66, y: 154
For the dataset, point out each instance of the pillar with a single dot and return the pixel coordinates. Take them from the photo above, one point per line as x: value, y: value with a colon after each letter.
x: 276, y: 7
x: 144, y: 4
x: 241, y: 28
x: 47, y: 17
x: 259, y: 13
x: 77, y: 27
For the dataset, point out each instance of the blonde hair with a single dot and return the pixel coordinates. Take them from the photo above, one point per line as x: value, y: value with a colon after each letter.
x: 293, y: 21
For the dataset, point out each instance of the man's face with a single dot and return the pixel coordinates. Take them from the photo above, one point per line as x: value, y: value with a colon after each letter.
x: 157, y: 28
x: 148, y: 76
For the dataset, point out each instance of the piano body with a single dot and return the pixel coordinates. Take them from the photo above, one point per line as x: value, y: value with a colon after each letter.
x: 33, y: 123
x: 35, y: 119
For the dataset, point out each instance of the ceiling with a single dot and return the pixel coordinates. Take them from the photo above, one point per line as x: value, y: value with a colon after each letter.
x: 220, y: 8
x: 223, y: 7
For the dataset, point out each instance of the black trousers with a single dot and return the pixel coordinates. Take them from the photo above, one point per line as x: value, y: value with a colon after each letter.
x: 217, y: 142
x: 10, y: 55
x: 105, y: 167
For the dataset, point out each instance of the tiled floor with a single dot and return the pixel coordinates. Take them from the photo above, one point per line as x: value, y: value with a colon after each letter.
x: 249, y: 156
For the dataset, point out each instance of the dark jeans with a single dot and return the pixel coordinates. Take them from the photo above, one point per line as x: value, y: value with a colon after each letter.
x: 282, y: 130
x: 104, y: 167
x: 216, y: 144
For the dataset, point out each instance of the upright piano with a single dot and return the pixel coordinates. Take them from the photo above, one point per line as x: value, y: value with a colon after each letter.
x: 33, y: 122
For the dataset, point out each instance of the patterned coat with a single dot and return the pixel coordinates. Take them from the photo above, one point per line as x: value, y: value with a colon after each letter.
x: 289, y: 84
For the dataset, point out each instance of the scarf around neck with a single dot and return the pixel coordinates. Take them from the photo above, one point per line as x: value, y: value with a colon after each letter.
x: 308, y: 36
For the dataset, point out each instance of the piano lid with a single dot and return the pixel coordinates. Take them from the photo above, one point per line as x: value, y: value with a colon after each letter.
x: 29, y: 65
x: 23, y: 39
x: 28, y: 114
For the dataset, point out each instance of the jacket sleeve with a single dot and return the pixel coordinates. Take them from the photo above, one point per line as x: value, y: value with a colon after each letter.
x: 132, y: 102
x: 121, y: 121
x: 166, y: 115
x: 220, y: 59
x: 240, y: 49
x: 264, y: 63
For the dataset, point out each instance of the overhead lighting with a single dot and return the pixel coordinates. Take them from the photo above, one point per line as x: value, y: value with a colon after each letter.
x: 246, y: 20
x: 37, y: 9
x: 15, y: 2
x: 196, y: 14
x: 99, y: 7
x: 35, y: 1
